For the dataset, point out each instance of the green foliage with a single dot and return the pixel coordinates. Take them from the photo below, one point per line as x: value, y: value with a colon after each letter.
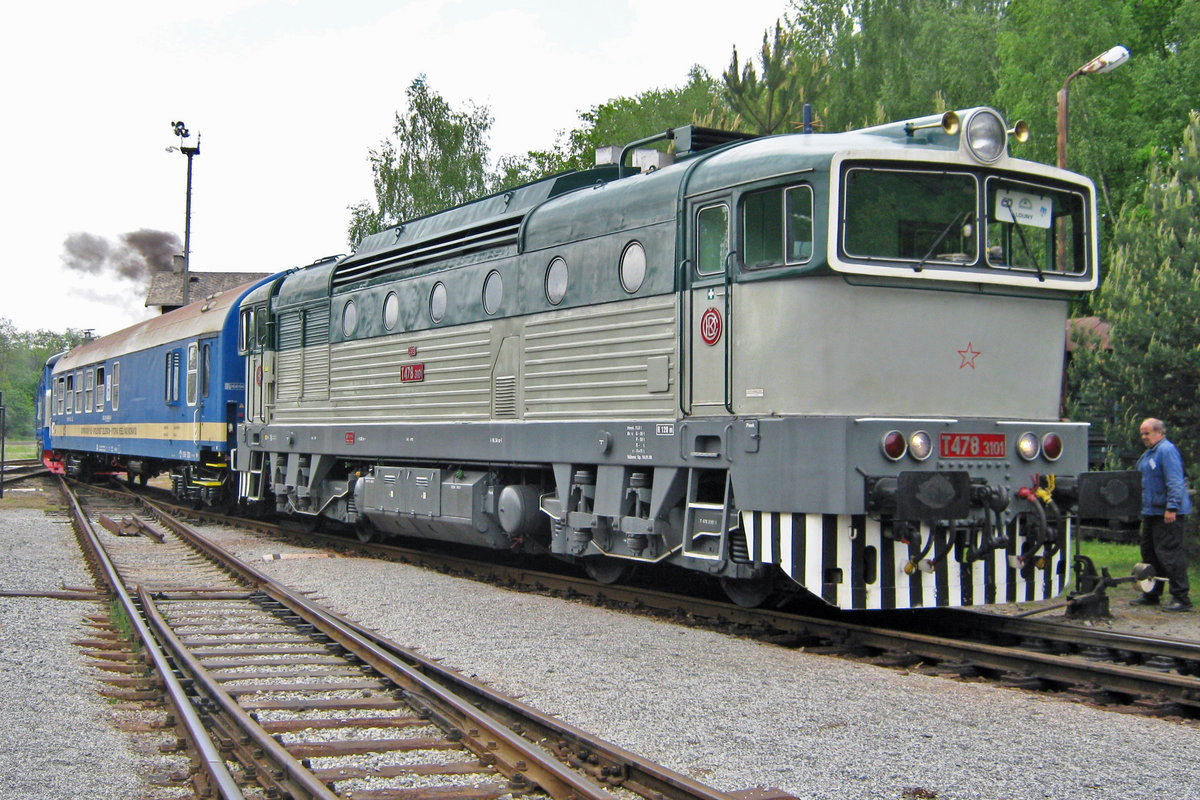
x: 773, y: 103
x: 22, y: 356
x: 884, y: 60
x: 618, y: 121
x: 1151, y: 299
x: 437, y: 159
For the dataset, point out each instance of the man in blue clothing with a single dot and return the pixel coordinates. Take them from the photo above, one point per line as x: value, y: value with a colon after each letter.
x: 1165, y: 502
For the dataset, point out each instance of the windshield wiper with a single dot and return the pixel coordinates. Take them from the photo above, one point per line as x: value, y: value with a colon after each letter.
x: 964, y: 216
x: 1007, y: 203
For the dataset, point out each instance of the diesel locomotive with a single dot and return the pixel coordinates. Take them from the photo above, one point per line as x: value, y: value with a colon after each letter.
x: 828, y: 363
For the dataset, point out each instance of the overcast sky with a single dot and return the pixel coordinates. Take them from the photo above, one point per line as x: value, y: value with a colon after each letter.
x: 287, y: 97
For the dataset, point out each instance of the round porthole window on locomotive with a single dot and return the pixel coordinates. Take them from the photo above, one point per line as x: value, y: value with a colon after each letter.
x: 349, y: 318
x: 493, y: 292
x: 437, y: 302
x: 556, y: 281
x: 391, y: 311
x: 633, y: 267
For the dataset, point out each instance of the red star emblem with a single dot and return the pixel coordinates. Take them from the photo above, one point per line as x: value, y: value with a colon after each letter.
x: 968, y: 356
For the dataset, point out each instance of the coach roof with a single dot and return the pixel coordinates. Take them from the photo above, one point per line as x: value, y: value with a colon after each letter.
x: 207, y: 316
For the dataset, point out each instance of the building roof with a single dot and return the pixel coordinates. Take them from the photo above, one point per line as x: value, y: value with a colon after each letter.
x: 166, y: 288
x: 1084, y: 331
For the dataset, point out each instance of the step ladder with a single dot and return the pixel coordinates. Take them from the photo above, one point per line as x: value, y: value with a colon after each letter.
x: 705, y: 523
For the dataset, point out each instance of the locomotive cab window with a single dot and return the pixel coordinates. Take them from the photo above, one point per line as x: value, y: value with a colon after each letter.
x: 246, y: 331
x: 1035, y: 228
x: 777, y: 227
x: 712, y: 239
x: 922, y: 217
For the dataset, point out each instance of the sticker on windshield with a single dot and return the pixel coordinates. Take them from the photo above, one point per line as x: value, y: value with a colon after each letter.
x: 1023, y: 208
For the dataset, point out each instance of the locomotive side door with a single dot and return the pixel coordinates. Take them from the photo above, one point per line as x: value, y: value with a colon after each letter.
x: 709, y: 262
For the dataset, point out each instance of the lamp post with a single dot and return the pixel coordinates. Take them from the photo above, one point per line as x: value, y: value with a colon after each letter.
x: 1105, y: 62
x: 181, y: 131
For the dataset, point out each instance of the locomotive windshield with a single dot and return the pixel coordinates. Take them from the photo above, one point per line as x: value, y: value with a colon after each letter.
x: 922, y: 218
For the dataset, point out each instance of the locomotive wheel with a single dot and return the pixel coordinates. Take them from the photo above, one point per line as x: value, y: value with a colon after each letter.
x: 365, y: 531
x: 748, y: 592
x: 605, y: 570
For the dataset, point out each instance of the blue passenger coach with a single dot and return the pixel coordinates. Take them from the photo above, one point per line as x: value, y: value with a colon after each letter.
x: 163, y: 395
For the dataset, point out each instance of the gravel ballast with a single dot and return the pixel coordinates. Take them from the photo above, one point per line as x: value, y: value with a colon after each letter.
x: 730, y: 712
x: 57, y: 739
x: 736, y: 713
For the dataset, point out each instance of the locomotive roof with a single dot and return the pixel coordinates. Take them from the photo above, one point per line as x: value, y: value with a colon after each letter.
x: 197, y: 319
x: 488, y: 222
x: 562, y: 208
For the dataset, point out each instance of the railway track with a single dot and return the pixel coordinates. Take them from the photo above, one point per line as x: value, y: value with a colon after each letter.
x: 304, y: 704
x: 16, y: 471
x: 1142, y: 674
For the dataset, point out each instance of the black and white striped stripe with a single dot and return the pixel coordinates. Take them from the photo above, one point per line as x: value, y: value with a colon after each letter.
x: 845, y: 560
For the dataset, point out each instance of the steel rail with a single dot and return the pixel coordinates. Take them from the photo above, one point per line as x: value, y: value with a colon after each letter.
x: 1163, y: 646
x: 481, y: 732
x: 210, y: 758
x: 1059, y: 669
x: 299, y: 782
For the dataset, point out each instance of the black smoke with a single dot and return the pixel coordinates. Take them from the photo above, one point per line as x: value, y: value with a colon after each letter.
x: 135, y: 256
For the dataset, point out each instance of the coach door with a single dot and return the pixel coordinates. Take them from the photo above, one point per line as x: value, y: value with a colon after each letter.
x: 707, y: 315
x: 192, y: 393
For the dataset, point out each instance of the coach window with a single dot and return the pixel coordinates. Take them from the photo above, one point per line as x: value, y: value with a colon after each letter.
x: 205, y: 368
x: 116, y: 385
x: 70, y: 394
x: 100, y: 388
x: 171, y: 385
x: 79, y: 407
x: 712, y: 239
x: 193, y: 374
x: 88, y: 377
x: 777, y: 227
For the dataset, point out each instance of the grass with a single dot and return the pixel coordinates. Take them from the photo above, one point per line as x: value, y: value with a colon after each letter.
x: 1120, y: 558
x: 14, y: 450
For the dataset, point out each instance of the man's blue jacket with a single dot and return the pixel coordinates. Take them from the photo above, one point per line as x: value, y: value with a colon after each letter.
x: 1164, y: 487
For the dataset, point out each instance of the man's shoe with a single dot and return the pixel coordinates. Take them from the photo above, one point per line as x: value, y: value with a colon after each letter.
x: 1144, y: 600
x: 1178, y: 605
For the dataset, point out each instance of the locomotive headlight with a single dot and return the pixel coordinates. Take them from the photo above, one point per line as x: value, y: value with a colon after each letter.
x: 1028, y: 446
x: 920, y: 445
x: 986, y: 135
x: 893, y: 445
x: 1052, y: 446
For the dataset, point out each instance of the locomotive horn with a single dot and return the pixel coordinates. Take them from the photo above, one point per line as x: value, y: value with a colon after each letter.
x: 948, y: 123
